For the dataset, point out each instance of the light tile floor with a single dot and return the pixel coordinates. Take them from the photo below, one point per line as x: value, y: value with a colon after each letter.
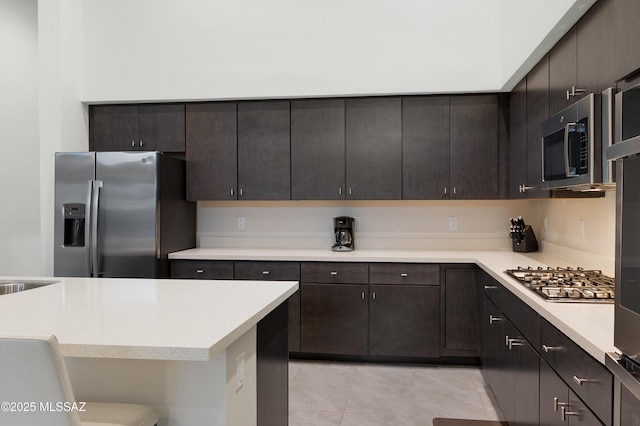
x: 324, y: 393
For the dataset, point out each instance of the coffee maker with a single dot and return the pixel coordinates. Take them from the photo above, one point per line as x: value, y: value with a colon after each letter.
x: 343, y: 232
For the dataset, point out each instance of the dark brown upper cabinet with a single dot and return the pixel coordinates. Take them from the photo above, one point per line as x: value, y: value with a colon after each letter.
x: 374, y: 148
x: 264, y: 150
x: 425, y: 147
x: 627, y: 34
x: 212, y: 151
x: 158, y: 127
x: 473, y: 147
x: 580, y: 63
x: 318, y: 149
x: 537, y: 100
x: 518, y: 141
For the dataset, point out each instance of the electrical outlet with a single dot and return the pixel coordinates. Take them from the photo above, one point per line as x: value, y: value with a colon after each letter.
x: 239, y: 371
x: 581, y: 228
x: 240, y: 222
x: 453, y: 223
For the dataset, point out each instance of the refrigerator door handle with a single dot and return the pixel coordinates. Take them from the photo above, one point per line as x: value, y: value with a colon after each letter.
x: 95, y: 202
x: 87, y: 230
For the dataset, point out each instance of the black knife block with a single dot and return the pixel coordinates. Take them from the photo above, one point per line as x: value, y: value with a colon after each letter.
x: 525, y: 241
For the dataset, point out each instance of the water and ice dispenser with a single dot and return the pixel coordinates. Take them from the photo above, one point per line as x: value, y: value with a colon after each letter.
x: 74, y: 221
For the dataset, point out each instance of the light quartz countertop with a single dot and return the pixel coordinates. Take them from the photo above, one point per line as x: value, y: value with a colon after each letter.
x: 589, y: 325
x: 192, y: 320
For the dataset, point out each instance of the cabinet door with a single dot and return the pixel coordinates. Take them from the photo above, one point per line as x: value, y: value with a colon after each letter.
x: 474, y: 147
x: 537, y: 112
x: 212, y: 156
x: 578, y: 414
x: 317, y: 149
x: 563, y: 71
x: 374, y: 149
x: 113, y: 127
x: 497, y: 374
x: 518, y: 140
x: 404, y: 321
x: 425, y: 147
x: 526, y: 374
x: 462, y: 312
x: 334, y: 319
x: 264, y: 151
x: 162, y: 127
x: 553, y: 394
x: 596, y: 46
x: 627, y: 34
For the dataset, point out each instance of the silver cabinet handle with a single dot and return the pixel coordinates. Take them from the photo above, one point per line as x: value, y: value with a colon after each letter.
x: 339, y: 191
x: 265, y: 272
x: 493, y: 319
x: 557, y: 403
x: 199, y: 271
x: 524, y: 188
x: 141, y: 143
x: 445, y: 190
x: 565, y: 413
x: 334, y: 272
x: 404, y: 275
x: 231, y: 191
x: 350, y: 192
x: 454, y: 190
x: 241, y: 191
x: 506, y: 340
x: 133, y: 144
x: 580, y: 381
x: 515, y: 342
x: 551, y: 348
x: 363, y: 295
x: 574, y: 91
x: 373, y: 296
x: 490, y: 287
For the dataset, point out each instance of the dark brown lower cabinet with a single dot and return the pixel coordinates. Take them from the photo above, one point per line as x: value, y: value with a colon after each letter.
x: 510, y: 367
x: 404, y: 321
x: 559, y: 405
x: 461, y: 311
x: 334, y: 318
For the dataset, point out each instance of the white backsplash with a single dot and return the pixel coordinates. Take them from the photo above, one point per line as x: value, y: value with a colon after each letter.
x: 407, y: 225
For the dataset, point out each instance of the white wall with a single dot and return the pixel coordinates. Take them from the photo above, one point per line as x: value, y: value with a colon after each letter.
x: 383, y: 224
x: 19, y: 172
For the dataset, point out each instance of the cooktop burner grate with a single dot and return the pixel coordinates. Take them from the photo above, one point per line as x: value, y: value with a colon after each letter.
x: 567, y: 284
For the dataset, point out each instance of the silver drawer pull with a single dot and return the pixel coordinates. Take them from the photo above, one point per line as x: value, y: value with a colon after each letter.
x: 565, y: 413
x: 551, y: 348
x: 580, y: 381
x: 404, y: 275
x: 363, y: 295
x: 490, y: 287
x: 265, y: 272
x: 557, y: 403
x: 199, y: 271
x: 515, y: 342
x: 493, y: 319
x: 334, y: 273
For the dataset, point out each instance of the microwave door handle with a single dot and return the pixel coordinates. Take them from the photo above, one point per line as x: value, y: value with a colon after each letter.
x: 566, y: 148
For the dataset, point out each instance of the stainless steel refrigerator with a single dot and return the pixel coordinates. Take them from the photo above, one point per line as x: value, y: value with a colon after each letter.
x: 119, y: 214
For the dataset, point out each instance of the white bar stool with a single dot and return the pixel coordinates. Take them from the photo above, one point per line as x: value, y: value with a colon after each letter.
x: 35, y: 390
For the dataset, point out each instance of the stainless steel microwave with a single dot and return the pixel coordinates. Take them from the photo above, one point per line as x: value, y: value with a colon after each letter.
x: 573, y: 145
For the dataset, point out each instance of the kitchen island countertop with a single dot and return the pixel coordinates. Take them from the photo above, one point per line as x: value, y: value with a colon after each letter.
x: 589, y: 325
x: 149, y: 319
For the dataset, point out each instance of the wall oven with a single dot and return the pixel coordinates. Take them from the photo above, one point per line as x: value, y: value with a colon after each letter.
x: 573, y: 144
x: 626, y: 364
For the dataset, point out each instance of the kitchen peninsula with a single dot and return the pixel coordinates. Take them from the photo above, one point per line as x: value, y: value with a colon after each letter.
x: 186, y: 347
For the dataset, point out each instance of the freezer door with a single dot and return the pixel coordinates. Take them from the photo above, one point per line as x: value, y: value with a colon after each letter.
x: 74, y: 173
x: 127, y: 214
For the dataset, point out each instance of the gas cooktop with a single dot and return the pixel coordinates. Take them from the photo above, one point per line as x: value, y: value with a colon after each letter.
x: 567, y: 284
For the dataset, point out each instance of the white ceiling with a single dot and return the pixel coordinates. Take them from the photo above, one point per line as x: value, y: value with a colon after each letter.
x: 215, y: 49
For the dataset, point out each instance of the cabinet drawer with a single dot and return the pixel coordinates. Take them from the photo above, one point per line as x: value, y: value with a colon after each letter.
x: 492, y: 288
x: 202, y: 269
x: 404, y: 273
x: 273, y: 271
x: 589, y: 379
x: 335, y: 272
